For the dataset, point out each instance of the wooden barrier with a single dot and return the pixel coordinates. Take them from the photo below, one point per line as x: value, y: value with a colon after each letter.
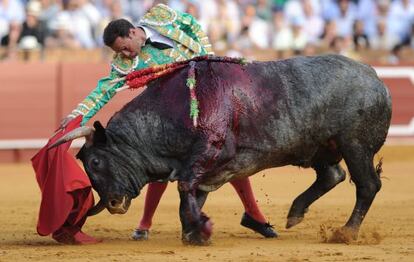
x: 28, y: 99
x: 35, y: 96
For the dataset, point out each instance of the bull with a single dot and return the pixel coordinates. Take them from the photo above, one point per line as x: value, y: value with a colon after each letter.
x: 305, y: 111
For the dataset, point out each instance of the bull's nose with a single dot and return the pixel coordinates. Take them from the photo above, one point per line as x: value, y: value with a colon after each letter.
x: 116, y: 206
x: 115, y: 203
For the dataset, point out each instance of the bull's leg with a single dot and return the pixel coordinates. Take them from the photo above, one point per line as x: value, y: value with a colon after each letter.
x: 196, y: 227
x: 327, y: 177
x: 218, y: 149
x: 367, y: 181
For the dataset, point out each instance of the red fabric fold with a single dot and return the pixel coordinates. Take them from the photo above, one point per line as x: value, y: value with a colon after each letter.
x: 66, y: 192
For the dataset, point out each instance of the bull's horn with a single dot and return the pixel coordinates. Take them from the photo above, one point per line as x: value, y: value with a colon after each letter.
x: 76, y: 133
x: 97, y: 208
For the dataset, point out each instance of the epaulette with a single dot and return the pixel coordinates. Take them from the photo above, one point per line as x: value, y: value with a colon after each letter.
x: 124, y: 65
x: 159, y: 15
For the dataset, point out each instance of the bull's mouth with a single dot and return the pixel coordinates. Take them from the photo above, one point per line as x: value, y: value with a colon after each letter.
x: 118, y: 205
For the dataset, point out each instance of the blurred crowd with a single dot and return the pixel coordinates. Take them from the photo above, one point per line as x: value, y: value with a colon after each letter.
x: 236, y: 27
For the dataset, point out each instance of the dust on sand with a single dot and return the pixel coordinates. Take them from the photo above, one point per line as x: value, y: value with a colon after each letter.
x: 387, y: 233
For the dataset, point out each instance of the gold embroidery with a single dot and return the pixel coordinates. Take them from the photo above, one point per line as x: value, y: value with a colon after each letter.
x: 124, y: 65
x: 159, y: 15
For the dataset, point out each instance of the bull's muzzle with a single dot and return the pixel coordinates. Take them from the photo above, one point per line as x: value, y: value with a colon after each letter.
x: 118, y: 206
x: 114, y: 206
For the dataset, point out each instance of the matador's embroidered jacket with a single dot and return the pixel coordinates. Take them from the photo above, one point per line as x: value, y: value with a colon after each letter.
x: 189, y: 41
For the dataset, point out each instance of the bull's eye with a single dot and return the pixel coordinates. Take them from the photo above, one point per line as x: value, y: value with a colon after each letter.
x: 95, y: 162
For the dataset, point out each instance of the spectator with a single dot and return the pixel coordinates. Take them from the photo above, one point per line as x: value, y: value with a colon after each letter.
x: 264, y: 10
x: 345, y: 18
x: 402, y: 14
x: 309, y: 49
x: 11, y: 19
x: 226, y: 25
x: 83, y: 18
x: 236, y: 25
x: 112, y: 11
x: 104, y: 7
x: 115, y: 12
x: 360, y: 38
x: 11, y: 12
x: 249, y: 14
x: 312, y: 23
x: 62, y: 36
x: 384, y: 39
x: 409, y: 41
x: 282, y: 35
x: 299, y: 39
x: 209, y: 13
x: 33, y: 31
x: 279, y: 4
x: 243, y: 46
x: 85, y: 9
x: 367, y: 13
x: 33, y: 26
x: 135, y: 9
x: 342, y: 46
x: 329, y: 9
x: 396, y: 55
x: 294, y: 8
x: 384, y: 16
x: 259, y: 30
x: 49, y: 10
x: 192, y: 9
x: 328, y: 35
x: 179, y: 5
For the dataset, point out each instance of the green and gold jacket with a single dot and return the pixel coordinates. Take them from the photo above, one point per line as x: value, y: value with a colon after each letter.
x: 189, y: 41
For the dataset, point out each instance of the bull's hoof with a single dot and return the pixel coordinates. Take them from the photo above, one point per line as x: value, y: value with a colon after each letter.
x: 293, y: 221
x: 199, y: 238
x: 195, y: 239
x: 344, y: 234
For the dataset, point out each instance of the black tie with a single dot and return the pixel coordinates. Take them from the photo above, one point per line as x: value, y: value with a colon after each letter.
x: 157, y: 45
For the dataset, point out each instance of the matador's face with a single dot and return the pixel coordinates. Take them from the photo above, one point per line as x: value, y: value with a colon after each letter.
x: 130, y: 46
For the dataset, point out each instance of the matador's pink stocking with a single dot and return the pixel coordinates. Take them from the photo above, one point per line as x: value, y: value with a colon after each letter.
x: 152, y: 199
x: 245, y: 192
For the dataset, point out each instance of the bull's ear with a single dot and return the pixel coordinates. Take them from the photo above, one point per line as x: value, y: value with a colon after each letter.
x: 80, y: 154
x: 99, y: 137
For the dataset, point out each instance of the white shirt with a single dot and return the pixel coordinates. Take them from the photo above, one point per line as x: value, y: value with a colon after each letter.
x: 154, y: 36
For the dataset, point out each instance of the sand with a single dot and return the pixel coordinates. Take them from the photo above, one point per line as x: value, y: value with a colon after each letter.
x: 387, y: 233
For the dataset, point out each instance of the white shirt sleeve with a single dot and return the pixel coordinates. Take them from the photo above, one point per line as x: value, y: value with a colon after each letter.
x: 155, y: 36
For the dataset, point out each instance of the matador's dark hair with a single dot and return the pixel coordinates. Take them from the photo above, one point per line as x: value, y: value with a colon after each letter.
x: 115, y: 28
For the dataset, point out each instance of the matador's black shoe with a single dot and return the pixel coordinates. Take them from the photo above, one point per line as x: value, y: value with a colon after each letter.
x: 265, y: 229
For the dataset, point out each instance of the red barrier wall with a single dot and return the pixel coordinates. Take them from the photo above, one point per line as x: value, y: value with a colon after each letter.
x: 77, y: 80
x: 402, y: 93
x: 35, y: 96
x: 28, y: 99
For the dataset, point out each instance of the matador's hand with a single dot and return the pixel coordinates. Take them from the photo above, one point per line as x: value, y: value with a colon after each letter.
x: 65, y: 121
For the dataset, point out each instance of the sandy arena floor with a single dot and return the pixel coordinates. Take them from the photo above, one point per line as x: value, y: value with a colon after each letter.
x: 387, y: 233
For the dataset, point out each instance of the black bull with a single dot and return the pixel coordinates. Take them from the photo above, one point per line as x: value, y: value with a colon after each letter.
x: 307, y: 111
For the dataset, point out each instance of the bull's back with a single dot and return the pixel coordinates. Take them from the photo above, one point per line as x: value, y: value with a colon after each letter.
x: 299, y: 94
x: 306, y: 100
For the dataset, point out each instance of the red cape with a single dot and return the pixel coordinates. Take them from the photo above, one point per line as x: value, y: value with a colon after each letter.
x: 66, y: 192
